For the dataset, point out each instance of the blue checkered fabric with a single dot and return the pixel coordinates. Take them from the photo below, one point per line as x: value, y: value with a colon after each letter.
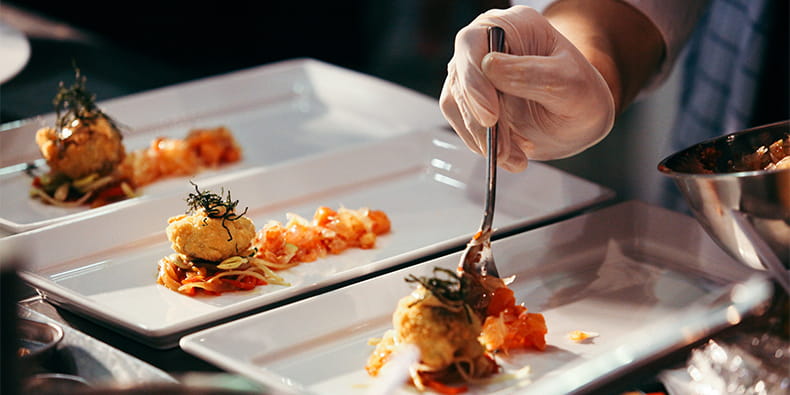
x: 721, y: 75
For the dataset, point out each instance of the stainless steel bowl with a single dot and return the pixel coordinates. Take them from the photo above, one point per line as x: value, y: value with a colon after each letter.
x: 747, y: 212
x: 37, y: 340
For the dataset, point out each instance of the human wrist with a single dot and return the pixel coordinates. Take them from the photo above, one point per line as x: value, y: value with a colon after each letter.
x: 618, y: 40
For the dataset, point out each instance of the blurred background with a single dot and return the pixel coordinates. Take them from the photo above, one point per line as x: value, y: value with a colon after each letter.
x: 129, y: 47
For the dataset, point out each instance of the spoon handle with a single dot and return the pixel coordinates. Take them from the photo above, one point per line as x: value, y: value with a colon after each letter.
x: 496, y: 42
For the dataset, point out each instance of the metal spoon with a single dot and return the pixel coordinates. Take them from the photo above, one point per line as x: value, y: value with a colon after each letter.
x: 478, y: 257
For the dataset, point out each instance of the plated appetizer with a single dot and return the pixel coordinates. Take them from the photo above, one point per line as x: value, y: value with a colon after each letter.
x: 218, y: 250
x: 88, y: 164
x: 166, y: 157
x: 82, y: 151
x: 459, y: 322
x: 213, y: 249
x: 329, y: 232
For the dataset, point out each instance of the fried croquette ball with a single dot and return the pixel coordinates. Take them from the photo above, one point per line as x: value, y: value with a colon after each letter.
x: 199, y: 236
x: 439, y: 333
x: 82, y: 148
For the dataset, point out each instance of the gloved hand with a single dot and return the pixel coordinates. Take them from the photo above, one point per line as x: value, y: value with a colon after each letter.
x: 554, y: 103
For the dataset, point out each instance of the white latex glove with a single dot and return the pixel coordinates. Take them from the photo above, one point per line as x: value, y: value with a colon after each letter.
x: 554, y: 103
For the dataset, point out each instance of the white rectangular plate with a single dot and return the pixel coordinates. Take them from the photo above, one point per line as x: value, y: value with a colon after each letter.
x: 277, y: 113
x: 645, y: 279
x: 428, y: 183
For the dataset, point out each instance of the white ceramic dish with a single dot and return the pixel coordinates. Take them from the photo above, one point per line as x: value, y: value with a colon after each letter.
x: 645, y: 279
x: 428, y: 183
x: 14, y: 51
x: 277, y: 112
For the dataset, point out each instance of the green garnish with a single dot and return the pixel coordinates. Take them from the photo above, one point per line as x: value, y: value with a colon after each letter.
x: 214, y: 206
x: 75, y: 103
x: 451, y: 290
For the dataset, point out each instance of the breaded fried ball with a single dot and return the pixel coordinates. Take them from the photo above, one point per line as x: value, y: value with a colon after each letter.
x: 440, y: 334
x: 83, y: 148
x: 199, y: 236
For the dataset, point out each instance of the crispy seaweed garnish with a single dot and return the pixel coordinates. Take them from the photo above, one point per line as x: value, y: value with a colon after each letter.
x: 76, y: 103
x: 450, y: 290
x: 214, y: 206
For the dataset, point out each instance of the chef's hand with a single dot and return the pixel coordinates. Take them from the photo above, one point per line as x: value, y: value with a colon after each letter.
x: 554, y: 103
